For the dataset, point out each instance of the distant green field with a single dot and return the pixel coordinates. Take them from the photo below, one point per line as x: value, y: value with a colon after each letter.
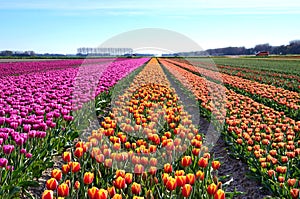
x: 288, y: 66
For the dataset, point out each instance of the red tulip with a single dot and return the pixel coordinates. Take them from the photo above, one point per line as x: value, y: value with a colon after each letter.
x: 171, y: 184
x: 66, y: 156
x: 52, y: 184
x: 186, y: 190
x: 48, y: 194
x: 88, y: 178
x: 186, y: 161
x: 57, y: 174
x: 119, y: 183
x: 220, y: 194
x: 78, y: 152
x: 92, y: 192
x: 75, y: 167
x: 215, y: 165
x: 117, y: 196
x: 168, y: 168
x: 203, y: 162
x: 190, y: 178
x: 295, y: 193
x: 136, y: 188
x: 128, y: 178
x: 212, y: 188
x: 76, y: 185
x: 63, y: 190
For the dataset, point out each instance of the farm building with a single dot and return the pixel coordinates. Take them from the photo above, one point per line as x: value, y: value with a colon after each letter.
x: 263, y: 53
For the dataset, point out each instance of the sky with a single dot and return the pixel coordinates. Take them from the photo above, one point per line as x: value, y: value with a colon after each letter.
x: 63, y: 26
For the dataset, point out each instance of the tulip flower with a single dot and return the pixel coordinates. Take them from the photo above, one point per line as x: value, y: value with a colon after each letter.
x: 136, y: 188
x: 66, y: 156
x: 92, y: 192
x: 3, y: 162
x: 63, y: 190
x: 190, y: 178
x: 88, y: 178
x: 76, y: 185
x: 294, y: 193
x: 111, y: 191
x: 215, y: 165
x: 186, y: 190
x: 128, y: 178
x: 57, y: 174
x: 51, y: 184
x: 47, y: 194
x: 117, y: 196
x: 120, y: 183
x: 220, y: 194
x: 171, y: 184
x: 8, y: 149
x: 78, y: 152
x: 212, y: 188
x: 168, y: 168
x: 203, y: 162
x: 186, y: 161
x: 75, y: 166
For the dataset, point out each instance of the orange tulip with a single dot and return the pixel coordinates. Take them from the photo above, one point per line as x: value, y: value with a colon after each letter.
x: 220, y: 194
x: 76, y: 185
x: 136, y: 188
x: 294, y: 193
x: 200, y: 175
x: 75, y: 167
x: 120, y: 173
x: 190, y: 178
x: 111, y: 191
x: 66, y: 156
x: 291, y: 182
x: 63, y: 190
x: 168, y: 168
x: 203, y: 162
x: 101, y: 194
x: 117, y: 196
x: 171, y: 184
x: 57, y: 174
x: 281, y: 169
x: 92, y: 192
x: 180, y: 180
x: 186, y: 161
x: 119, y: 183
x: 78, y: 152
x: 215, y: 165
x: 88, y: 178
x: 48, y: 194
x: 65, y: 168
x: 52, y: 184
x: 212, y: 188
x: 128, y: 178
x: 186, y: 190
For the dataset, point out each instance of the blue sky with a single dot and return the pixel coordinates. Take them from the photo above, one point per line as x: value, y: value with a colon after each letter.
x: 63, y: 26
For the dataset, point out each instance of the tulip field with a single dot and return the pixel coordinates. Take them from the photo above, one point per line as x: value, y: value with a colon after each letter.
x: 147, y: 143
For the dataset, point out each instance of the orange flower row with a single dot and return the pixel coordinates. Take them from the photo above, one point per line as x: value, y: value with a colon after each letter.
x: 282, y: 96
x: 268, y: 135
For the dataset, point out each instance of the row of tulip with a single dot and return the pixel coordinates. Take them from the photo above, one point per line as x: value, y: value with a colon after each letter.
x: 142, y: 150
x: 287, y: 81
x: 36, y: 119
x: 275, y: 97
x: 265, y: 138
x: 20, y: 68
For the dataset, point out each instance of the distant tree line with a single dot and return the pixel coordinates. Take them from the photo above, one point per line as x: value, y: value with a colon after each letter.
x: 17, y: 53
x: 292, y: 48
